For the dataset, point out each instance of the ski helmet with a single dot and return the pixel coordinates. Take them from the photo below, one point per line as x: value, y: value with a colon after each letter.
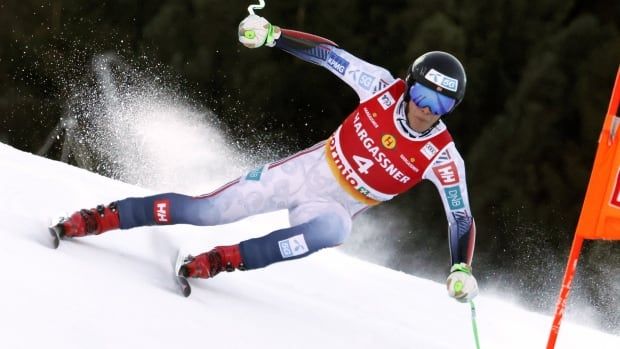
x: 440, y: 73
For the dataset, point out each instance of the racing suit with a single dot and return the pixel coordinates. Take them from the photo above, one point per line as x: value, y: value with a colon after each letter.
x: 371, y: 157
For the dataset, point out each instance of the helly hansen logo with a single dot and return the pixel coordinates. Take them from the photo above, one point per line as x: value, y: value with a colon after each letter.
x: 447, y: 173
x: 161, y: 212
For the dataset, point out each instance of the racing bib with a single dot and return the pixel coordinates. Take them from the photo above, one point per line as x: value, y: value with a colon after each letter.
x: 374, y: 160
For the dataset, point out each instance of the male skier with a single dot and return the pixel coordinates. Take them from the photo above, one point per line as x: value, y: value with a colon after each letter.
x: 394, y: 139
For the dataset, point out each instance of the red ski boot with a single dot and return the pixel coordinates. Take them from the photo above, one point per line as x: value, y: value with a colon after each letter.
x: 89, y: 222
x: 209, y: 264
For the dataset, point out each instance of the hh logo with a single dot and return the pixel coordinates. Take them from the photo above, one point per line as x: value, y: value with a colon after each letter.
x: 388, y: 141
x: 293, y: 246
x: 615, y: 196
x: 161, y: 212
x: 447, y: 173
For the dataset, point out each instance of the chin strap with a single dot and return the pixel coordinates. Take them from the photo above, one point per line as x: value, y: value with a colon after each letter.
x: 404, y: 125
x: 432, y: 127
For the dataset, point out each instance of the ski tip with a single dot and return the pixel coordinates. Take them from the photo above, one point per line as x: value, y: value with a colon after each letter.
x: 181, y: 278
x: 55, y: 237
x: 186, y: 289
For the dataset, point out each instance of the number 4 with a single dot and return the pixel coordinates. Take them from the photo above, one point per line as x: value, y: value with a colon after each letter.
x: 363, y: 163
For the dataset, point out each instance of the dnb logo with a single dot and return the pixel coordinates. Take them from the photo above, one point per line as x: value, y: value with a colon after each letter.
x: 455, y: 198
x: 337, y: 63
x: 254, y: 175
x: 615, y: 196
x: 161, y: 211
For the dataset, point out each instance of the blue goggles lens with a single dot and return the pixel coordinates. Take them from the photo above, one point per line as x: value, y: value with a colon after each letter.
x: 423, y: 97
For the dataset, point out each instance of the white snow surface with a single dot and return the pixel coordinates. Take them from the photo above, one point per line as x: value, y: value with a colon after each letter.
x: 117, y: 290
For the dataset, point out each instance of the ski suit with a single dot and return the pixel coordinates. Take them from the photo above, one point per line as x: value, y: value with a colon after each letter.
x: 373, y: 156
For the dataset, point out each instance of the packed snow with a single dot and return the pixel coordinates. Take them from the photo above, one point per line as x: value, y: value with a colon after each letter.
x: 117, y: 290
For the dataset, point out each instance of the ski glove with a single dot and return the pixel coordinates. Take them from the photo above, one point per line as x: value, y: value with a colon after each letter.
x: 461, y: 283
x: 255, y: 31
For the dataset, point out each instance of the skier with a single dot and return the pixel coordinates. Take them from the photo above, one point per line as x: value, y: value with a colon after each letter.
x: 394, y: 139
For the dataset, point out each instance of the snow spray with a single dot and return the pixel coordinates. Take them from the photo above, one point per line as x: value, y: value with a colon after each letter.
x: 145, y: 133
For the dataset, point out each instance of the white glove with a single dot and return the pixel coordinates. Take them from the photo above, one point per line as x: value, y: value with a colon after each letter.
x: 461, y: 283
x: 256, y: 31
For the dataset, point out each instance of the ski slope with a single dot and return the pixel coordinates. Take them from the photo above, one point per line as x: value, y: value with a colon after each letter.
x: 117, y: 291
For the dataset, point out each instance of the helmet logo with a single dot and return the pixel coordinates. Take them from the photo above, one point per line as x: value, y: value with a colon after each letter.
x: 441, y: 80
x: 388, y: 141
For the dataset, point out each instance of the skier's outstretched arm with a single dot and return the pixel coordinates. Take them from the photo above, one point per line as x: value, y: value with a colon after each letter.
x: 363, y: 77
x: 448, y: 175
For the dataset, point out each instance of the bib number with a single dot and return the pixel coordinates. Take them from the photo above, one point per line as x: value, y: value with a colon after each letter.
x: 363, y: 164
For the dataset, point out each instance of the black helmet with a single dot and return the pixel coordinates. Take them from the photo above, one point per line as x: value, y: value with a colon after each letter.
x: 439, y: 71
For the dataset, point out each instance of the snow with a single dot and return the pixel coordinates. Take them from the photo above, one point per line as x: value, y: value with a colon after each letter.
x: 117, y: 290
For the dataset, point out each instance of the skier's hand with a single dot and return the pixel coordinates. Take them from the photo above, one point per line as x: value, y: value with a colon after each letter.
x: 461, y: 283
x: 256, y: 31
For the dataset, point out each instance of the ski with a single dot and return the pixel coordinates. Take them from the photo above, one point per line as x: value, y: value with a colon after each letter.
x: 55, y: 233
x: 55, y: 230
x: 184, y: 285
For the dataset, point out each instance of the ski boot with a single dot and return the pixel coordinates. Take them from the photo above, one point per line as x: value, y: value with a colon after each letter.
x: 209, y: 264
x: 86, y: 222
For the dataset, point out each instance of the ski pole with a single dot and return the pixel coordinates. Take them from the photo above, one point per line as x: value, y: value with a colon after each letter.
x: 473, y: 324
x: 259, y: 6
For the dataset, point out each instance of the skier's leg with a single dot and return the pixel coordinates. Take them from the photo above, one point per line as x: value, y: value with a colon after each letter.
x: 174, y: 208
x: 329, y: 229
x: 269, y: 188
x: 169, y: 208
x: 329, y: 226
x: 266, y: 189
x: 225, y: 206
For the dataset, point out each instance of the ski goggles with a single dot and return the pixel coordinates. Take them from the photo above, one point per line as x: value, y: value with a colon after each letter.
x: 424, y: 97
